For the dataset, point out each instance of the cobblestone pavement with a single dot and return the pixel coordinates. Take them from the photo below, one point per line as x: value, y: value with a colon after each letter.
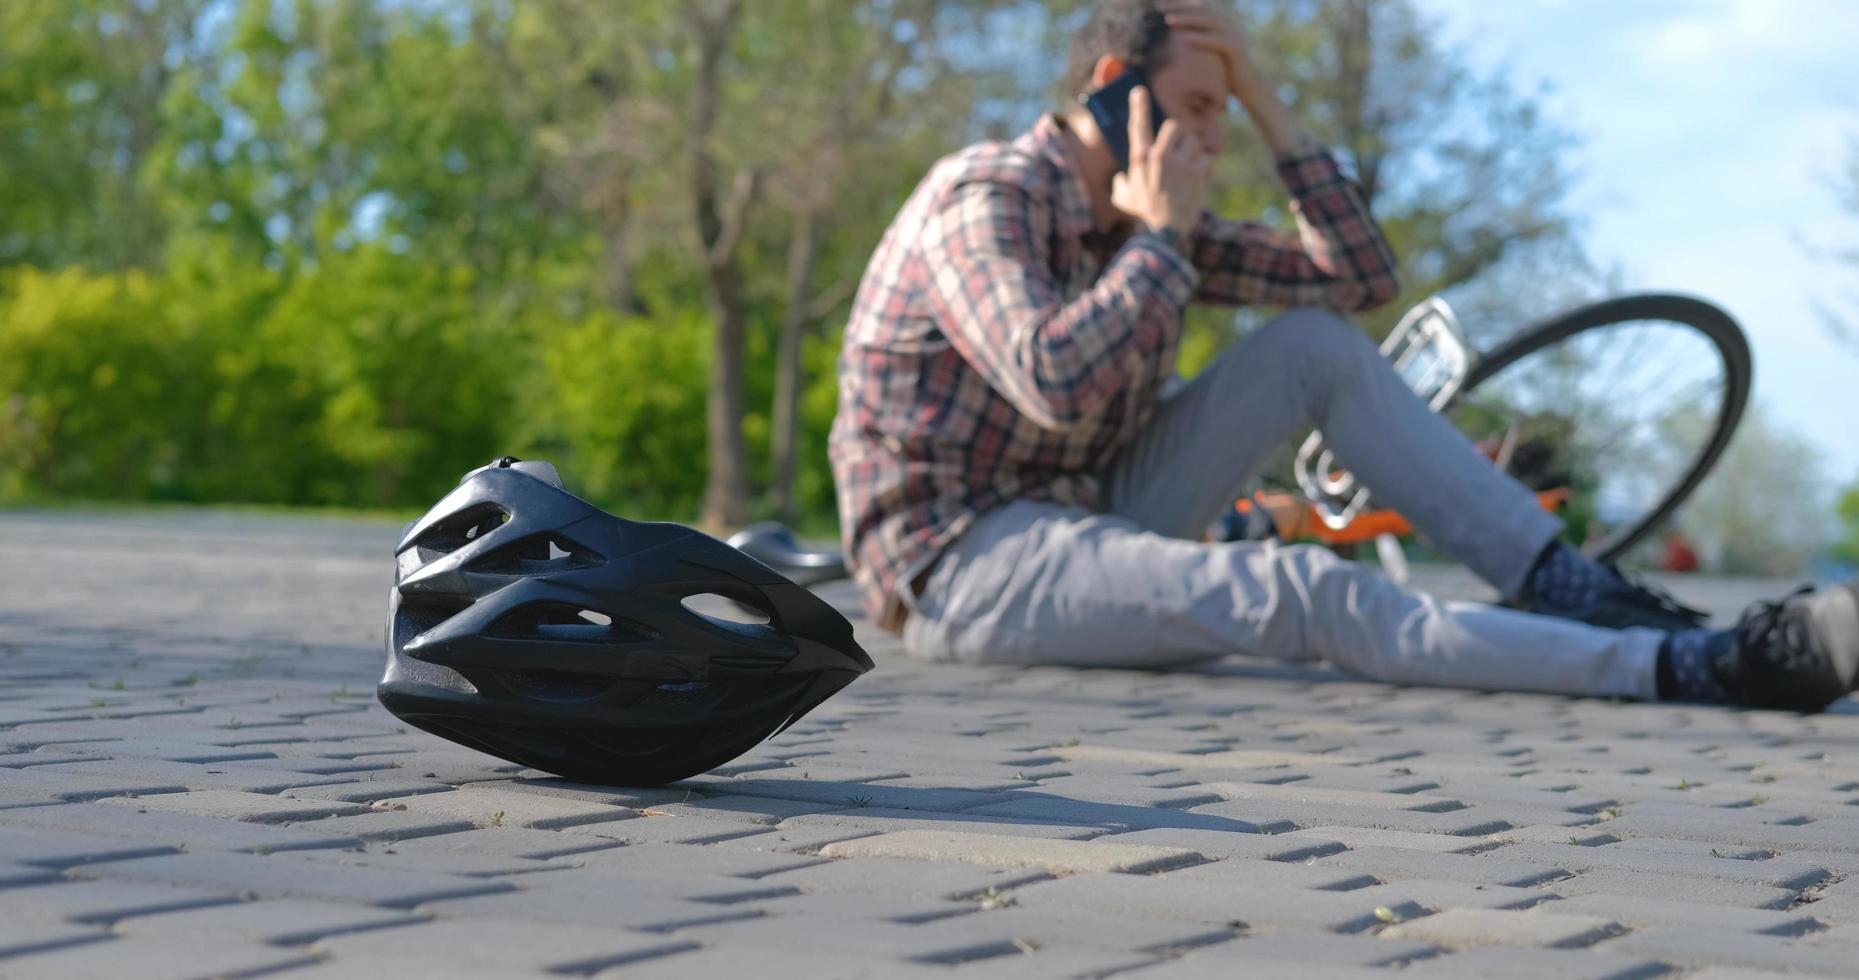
x: 195, y: 780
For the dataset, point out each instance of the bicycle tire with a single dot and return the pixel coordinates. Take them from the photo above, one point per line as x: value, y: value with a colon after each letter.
x: 1708, y: 320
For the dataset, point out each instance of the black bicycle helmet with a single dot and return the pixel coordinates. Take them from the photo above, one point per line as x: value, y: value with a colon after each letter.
x: 527, y: 623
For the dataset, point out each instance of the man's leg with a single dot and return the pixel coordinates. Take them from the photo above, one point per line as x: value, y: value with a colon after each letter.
x: 1312, y: 366
x: 1037, y: 583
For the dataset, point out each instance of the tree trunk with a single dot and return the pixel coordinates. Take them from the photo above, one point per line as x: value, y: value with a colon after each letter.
x: 726, y: 495
x: 803, y: 253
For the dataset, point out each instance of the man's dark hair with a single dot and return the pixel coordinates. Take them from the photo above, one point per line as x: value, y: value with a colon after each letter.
x: 1131, y: 30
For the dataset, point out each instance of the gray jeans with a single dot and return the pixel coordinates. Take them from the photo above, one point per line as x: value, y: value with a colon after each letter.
x: 1038, y: 583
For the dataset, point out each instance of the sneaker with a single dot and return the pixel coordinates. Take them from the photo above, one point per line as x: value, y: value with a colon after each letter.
x: 1798, y: 653
x: 1622, y: 604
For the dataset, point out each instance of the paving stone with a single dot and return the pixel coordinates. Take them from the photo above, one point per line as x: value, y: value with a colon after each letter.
x: 1279, y: 815
x: 1220, y: 844
x: 1057, y: 856
x: 1642, y: 912
x: 24, y: 935
x: 1275, y: 874
x: 1689, y: 946
x: 839, y: 795
x: 50, y: 782
x: 1749, y: 833
x: 601, y: 902
x: 154, y: 958
x: 881, y: 819
x: 281, y: 875
x: 1105, y: 789
x: 794, y: 840
x: 851, y: 907
x: 282, y: 921
x: 1214, y: 902
x: 367, y: 790
x: 1436, y: 896
x: 389, y: 857
x: 1358, y: 837
x: 1394, y: 863
x: 494, y: 806
x: 1235, y: 759
x: 563, y: 789
x: 1301, y: 792
x: 1536, y: 964
x: 378, y: 824
x: 794, y: 964
x: 1456, y: 928
x: 525, y: 945
x: 505, y: 842
x: 1778, y: 873
x: 229, y: 805
x: 46, y: 848
x: 184, y: 775
x: 1118, y: 816
x: 1054, y: 962
x: 1250, y: 953
x: 947, y: 941
x: 1698, y: 849
x: 902, y: 876
x: 763, y: 810
x: 103, y: 902
x: 655, y: 828
x: 1643, y: 884
x: 659, y: 860
x: 1575, y: 836
x: 189, y: 831
x: 1042, y: 929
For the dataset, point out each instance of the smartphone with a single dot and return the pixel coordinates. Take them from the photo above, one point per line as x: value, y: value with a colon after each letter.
x: 1110, y: 106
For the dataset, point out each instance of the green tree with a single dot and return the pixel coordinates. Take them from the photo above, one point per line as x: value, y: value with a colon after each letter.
x: 1847, y: 547
x: 82, y: 86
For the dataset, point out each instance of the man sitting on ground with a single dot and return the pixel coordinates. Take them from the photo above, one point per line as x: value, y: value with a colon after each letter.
x: 1018, y: 483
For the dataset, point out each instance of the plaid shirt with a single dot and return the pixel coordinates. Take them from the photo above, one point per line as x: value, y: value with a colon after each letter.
x: 995, y: 354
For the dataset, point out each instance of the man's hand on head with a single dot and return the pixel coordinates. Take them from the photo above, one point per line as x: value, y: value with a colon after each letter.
x: 1195, y: 24
x: 1168, y: 175
x: 1200, y: 27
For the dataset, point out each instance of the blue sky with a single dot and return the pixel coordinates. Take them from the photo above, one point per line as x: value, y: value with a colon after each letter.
x: 1712, y: 130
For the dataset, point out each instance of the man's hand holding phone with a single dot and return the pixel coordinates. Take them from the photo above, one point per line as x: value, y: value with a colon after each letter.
x: 1168, y: 174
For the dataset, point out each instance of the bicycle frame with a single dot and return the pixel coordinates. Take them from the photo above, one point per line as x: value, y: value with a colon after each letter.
x: 1430, y: 352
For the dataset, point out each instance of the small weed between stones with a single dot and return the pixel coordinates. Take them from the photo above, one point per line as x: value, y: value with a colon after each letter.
x: 993, y: 899
x: 497, y: 819
x: 857, y: 802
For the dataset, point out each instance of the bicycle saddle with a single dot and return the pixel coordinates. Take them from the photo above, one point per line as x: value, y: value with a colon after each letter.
x: 773, y: 545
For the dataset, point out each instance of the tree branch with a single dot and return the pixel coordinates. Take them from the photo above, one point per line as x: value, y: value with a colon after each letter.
x: 735, y: 216
x: 829, y: 299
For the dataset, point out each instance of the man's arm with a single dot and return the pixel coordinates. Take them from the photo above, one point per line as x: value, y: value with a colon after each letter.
x: 1337, y: 259
x: 995, y: 298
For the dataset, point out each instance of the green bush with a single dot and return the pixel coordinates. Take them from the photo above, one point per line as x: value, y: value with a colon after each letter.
x: 95, y: 385
x: 618, y: 404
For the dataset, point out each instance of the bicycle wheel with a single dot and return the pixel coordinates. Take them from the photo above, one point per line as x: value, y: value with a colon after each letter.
x: 1629, y: 402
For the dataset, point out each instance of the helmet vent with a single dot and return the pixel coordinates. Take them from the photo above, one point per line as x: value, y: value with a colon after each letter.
x: 461, y: 529
x: 567, y: 621
x: 537, y: 555
x: 726, y: 609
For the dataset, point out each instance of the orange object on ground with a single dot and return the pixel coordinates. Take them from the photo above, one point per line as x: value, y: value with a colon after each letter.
x: 1679, y: 555
x: 1297, y: 519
